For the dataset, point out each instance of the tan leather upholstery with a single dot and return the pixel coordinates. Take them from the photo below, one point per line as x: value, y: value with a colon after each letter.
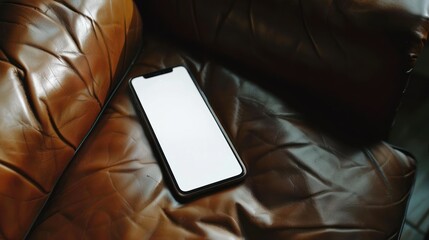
x: 58, y: 63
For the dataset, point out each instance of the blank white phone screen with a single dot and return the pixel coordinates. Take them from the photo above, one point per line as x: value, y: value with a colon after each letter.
x: 191, y: 140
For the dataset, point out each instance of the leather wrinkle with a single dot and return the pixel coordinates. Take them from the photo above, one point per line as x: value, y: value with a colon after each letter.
x: 266, y: 113
x: 289, y: 116
x: 306, y: 228
x: 25, y: 176
x: 391, y: 204
x: 231, y: 224
x: 191, y: 228
x: 73, y: 9
x: 312, y: 172
x: 251, y: 20
x: 379, y: 171
x: 221, y: 222
x: 27, y: 91
x: 171, y: 217
x: 95, y: 27
x: 195, y: 20
x: 307, y: 29
x: 111, y: 168
x: 223, y: 18
x: 75, y: 69
x: 56, y: 129
x: 282, y: 147
x: 124, y: 200
x: 63, y: 24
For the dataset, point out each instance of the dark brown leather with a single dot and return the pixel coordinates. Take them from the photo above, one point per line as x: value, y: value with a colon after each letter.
x: 349, y: 59
x: 58, y: 63
x: 302, y: 183
x: 272, y: 70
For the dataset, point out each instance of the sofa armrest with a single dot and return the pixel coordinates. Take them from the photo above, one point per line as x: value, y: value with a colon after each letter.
x: 58, y: 62
x: 350, y: 60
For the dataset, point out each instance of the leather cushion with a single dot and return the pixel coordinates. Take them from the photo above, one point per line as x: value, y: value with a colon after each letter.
x: 59, y: 60
x: 302, y: 183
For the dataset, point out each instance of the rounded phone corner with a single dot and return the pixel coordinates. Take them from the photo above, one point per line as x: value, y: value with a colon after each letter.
x: 187, y: 196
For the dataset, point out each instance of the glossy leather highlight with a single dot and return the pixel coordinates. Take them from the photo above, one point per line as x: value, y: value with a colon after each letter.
x: 301, y: 184
x: 59, y: 61
x: 305, y: 89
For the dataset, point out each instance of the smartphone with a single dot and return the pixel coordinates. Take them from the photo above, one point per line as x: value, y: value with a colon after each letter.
x: 194, y: 149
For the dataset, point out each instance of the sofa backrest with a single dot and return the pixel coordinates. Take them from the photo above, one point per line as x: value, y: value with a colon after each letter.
x: 346, y: 62
x: 58, y: 62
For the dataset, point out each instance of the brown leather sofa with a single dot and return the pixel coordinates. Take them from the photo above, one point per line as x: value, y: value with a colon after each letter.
x: 306, y: 90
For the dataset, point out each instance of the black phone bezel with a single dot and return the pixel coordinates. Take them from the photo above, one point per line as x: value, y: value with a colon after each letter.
x: 172, y: 183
